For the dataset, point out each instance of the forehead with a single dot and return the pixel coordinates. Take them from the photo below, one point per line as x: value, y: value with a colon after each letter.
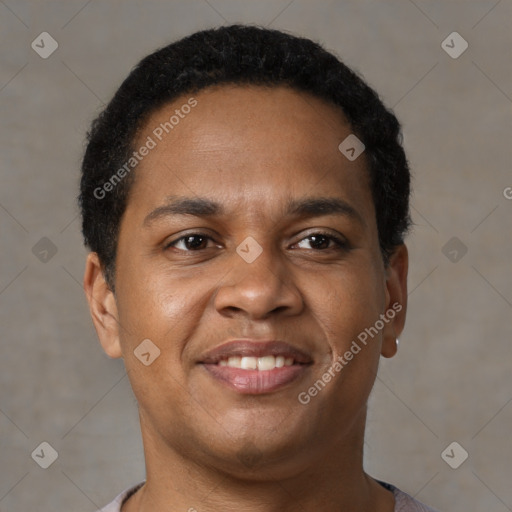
x: 248, y: 147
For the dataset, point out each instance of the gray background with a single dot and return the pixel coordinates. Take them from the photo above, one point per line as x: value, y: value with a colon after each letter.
x: 451, y: 380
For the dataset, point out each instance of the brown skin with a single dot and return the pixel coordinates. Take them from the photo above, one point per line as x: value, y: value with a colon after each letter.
x: 208, y: 447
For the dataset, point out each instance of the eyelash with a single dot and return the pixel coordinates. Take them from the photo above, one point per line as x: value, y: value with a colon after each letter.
x: 340, y: 243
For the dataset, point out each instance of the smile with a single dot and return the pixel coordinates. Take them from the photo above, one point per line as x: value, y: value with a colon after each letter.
x: 255, y: 366
x: 264, y: 363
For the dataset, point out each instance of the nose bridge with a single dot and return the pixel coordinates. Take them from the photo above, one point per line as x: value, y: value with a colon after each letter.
x: 258, y: 282
x: 258, y: 263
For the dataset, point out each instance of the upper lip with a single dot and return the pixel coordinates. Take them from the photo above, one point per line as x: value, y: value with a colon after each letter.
x: 254, y: 348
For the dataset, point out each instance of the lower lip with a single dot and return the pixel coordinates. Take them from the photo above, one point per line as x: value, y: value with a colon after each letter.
x: 256, y: 382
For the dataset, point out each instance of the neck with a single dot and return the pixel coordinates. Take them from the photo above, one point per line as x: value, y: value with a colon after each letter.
x: 334, y: 480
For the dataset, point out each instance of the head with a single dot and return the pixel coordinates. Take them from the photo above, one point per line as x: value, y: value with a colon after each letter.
x: 217, y: 206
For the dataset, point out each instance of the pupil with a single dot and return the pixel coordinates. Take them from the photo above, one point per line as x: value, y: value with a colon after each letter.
x: 194, y: 245
x: 315, y: 239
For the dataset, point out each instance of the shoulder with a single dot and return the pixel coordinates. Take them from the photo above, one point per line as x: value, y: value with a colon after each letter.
x: 404, y: 502
x: 115, y: 506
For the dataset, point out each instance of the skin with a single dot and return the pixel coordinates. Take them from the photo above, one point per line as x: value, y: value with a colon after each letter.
x: 251, y: 149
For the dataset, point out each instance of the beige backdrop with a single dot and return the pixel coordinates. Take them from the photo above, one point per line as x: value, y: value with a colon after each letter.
x: 451, y: 380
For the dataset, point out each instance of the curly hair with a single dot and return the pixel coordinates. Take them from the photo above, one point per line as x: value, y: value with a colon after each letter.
x: 243, y: 55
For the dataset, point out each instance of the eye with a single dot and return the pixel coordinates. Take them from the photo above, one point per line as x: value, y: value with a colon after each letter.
x: 190, y: 243
x: 324, y: 241
x: 194, y: 242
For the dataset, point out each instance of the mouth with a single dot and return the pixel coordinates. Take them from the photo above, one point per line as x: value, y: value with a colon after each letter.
x: 256, y: 367
x: 264, y: 363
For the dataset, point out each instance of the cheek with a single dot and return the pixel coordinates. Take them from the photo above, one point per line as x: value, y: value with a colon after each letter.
x: 346, y: 302
x: 359, y: 301
x: 157, y: 299
x: 166, y: 313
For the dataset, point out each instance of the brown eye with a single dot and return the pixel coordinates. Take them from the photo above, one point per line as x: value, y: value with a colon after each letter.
x: 191, y: 242
x: 323, y: 241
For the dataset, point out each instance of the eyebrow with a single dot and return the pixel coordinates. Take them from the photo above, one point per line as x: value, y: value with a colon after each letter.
x: 204, y: 207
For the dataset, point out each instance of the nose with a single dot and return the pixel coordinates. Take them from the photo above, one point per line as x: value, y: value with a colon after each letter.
x: 260, y: 288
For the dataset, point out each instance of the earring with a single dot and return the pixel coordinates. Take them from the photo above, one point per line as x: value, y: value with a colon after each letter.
x: 397, y: 342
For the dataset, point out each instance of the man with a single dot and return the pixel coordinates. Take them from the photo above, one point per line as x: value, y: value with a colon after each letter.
x: 245, y: 200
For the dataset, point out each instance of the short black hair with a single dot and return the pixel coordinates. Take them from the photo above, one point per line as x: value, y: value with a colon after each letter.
x: 240, y: 55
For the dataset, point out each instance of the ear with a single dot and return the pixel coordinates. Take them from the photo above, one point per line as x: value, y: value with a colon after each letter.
x: 396, y: 300
x: 102, y: 305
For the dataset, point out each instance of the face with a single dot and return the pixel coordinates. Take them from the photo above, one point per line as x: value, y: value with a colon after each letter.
x: 250, y: 240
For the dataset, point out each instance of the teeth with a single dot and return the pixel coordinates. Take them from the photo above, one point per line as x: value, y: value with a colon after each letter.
x: 257, y: 363
x: 249, y: 363
x: 234, y: 362
x: 266, y: 363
